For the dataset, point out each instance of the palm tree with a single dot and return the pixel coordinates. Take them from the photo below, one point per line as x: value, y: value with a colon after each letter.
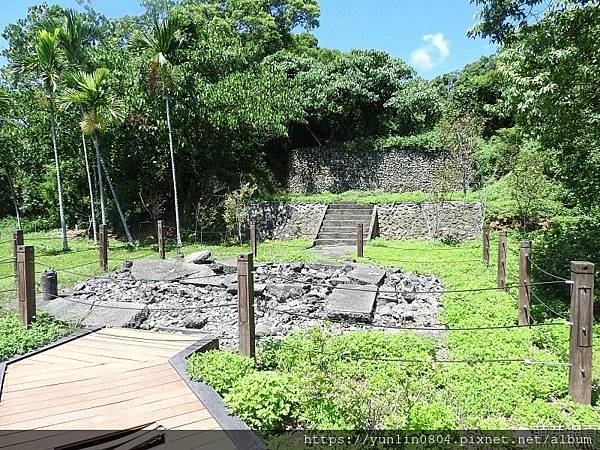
x: 161, y: 44
x: 90, y: 92
x: 46, y: 64
x: 72, y: 38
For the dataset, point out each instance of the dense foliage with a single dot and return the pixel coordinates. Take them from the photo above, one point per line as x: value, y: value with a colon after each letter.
x: 17, y: 340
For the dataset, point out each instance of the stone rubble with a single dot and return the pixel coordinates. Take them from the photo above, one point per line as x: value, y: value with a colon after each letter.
x: 288, y: 297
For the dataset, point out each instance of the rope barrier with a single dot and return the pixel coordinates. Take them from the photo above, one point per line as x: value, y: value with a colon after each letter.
x: 7, y: 260
x: 406, y: 261
x: 7, y: 291
x: 444, y: 291
x: 542, y: 303
x: 543, y: 271
x: 347, y: 355
x: 7, y: 277
x: 415, y: 328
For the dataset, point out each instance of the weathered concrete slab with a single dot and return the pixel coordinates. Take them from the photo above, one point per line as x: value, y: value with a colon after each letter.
x: 167, y: 269
x: 117, y: 314
x: 111, y: 314
x: 367, y: 274
x: 355, y: 302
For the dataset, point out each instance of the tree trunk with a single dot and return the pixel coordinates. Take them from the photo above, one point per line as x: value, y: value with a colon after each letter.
x: 99, y: 175
x: 112, y: 189
x: 61, y: 208
x: 90, y: 185
x: 173, y: 172
x: 91, y: 188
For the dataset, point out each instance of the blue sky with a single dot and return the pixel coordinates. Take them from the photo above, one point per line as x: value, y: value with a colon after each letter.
x: 428, y: 34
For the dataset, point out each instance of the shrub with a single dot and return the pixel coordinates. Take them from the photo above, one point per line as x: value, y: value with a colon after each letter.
x: 431, y: 416
x: 219, y: 369
x: 567, y: 239
x: 16, y: 339
x: 264, y: 400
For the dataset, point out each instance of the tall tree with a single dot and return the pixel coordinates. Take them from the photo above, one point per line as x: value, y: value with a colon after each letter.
x: 46, y: 65
x: 73, y: 38
x: 161, y: 44
x: 91, y: 93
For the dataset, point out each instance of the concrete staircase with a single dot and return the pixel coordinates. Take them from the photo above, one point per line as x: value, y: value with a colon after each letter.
x: 340, y: 221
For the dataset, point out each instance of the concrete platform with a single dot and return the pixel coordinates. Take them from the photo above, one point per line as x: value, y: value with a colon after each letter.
x: 354, y: 302
x: 111, y: 314
x: 367, y: 274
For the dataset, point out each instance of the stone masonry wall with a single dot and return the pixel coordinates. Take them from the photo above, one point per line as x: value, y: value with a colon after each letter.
x: 283, y: 220
x: 428, y: 220
x: 328, y: 169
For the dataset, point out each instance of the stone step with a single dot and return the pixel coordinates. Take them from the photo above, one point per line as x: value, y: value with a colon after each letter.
x: 335, y: 235
x: 342, y: 229
x: 336, y: 223
x: 348, y: 215
x: 354, y: 206
x: 335, y: 241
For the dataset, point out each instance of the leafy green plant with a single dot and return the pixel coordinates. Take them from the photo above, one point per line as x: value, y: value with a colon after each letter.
x: 264, y: 400
x: 15, y: 339
x: 219, y: 369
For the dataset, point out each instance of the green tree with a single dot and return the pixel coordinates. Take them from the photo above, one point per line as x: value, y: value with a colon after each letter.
x: 73, y: 37
x: 91, y: 93
x: 45, y: 63
x: 5, y: 119
x: 161, y: 44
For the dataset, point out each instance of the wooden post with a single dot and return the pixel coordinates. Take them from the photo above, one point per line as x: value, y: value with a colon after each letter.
x: 253, y: 242
x: 26, y: 278
x: 524, y: 287
x: 161, y: 240
x: 582, y: 316
x: 359, y: 240
x: 486, y: 244
x: 245, y: 276
x: 502, y: 260
x: 18, y: 239
x: 104, y: 247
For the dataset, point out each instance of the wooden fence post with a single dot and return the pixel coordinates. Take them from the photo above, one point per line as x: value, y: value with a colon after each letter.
x: 582, y: 316
x: 18, y: 239
x: 161, y: 240
x: 26, y: 278
x: 253, y: 242
x: 502, y: 260
x: 486, y: 244
x: 524, y: 287
x: 359, y: 240
x: 104, y: 247
x: 245, y: 276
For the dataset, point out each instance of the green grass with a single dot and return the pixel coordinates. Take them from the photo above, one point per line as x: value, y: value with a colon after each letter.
x: 370, y: 197
x: 494, y: 396
x: 16, y: 339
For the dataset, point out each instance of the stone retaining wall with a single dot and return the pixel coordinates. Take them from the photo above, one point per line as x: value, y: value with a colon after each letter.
x: 284, y: 220
x: 450, y: 220
x: 328, y: 169
x: 457, y: 221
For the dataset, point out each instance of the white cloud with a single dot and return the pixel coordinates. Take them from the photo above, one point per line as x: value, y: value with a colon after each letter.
x: 423, y: 57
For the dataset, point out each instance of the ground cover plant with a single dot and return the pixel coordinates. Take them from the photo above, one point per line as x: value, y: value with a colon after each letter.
x: 16, y: 339
x: 365, y: 380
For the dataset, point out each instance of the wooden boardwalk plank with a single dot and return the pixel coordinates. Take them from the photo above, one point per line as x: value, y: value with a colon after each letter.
x: 110, y: 379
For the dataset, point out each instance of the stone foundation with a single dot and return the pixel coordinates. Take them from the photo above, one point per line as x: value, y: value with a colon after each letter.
x: 283, y: 220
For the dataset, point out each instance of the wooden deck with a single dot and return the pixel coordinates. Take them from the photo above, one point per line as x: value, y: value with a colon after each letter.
x: 111, y: 379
